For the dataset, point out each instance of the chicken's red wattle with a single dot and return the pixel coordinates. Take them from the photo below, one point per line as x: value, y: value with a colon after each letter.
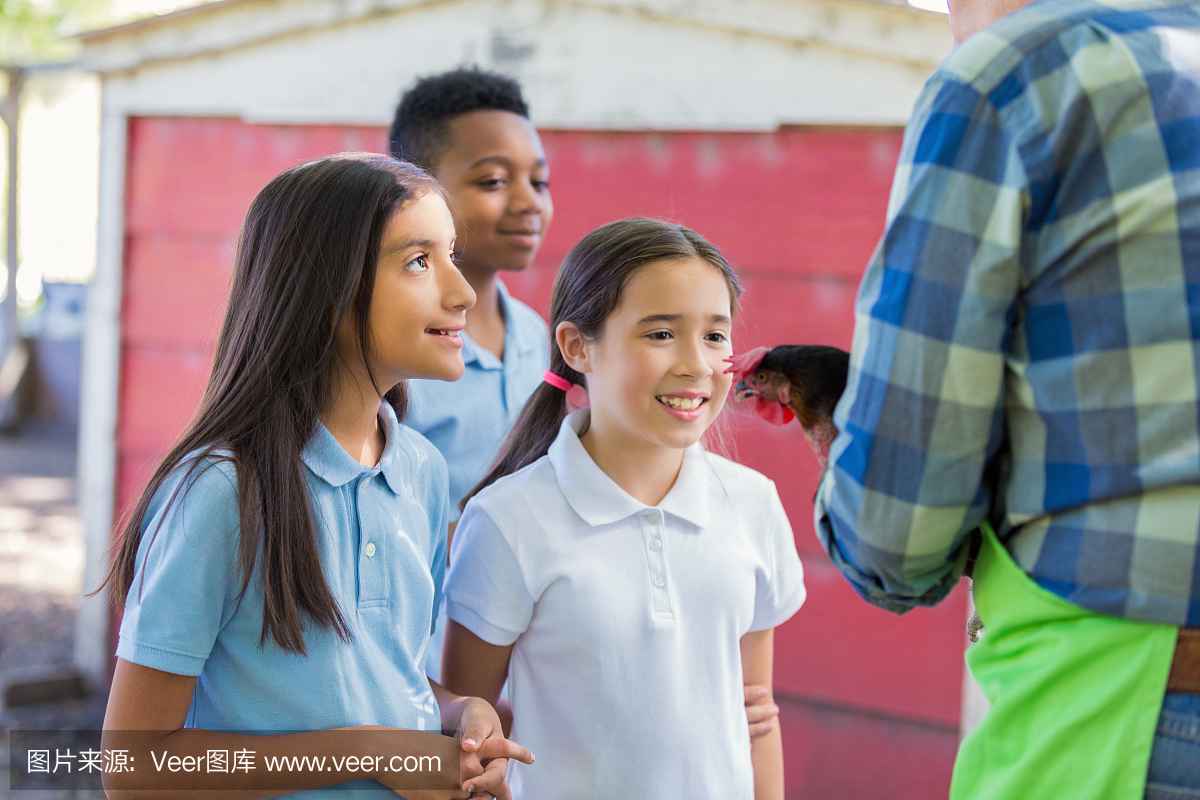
x: 773, y: 412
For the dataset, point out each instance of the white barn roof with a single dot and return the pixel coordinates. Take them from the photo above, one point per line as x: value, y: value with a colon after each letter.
x: 592, y: 64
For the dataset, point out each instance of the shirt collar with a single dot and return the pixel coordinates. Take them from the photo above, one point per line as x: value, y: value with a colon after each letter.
x: 516, y: 338
x: 518, y: 334
x: 598, y: 500
x: 474, y: 354
x: 330, y: 462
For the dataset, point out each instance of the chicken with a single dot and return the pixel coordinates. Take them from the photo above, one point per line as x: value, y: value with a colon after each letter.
x: 801, y: 382
x: 794, y: 381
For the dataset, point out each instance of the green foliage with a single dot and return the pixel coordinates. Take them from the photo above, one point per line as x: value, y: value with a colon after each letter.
x: 36, y: 31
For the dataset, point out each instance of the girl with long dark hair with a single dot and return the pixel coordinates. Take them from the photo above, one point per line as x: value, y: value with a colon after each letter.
x: 623, y: 579
x: 281, y: 570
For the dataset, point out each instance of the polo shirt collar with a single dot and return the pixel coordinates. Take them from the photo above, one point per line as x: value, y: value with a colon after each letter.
x: 392, y: 463
x: 517, y: 339
x: 330, y: 462
x: 688, y: 498
x: 598, y: 500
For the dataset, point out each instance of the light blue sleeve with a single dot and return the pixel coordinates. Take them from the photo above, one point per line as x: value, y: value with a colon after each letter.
x: 780, y: 590
x: 485, y: 589
x: 186, y: 575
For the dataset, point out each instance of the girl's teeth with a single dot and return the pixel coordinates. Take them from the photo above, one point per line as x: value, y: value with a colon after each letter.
x: 682, y: 403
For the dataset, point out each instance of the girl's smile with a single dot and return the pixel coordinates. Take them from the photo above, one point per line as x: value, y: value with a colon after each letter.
x: 684, y: 406
x: 451, y: 336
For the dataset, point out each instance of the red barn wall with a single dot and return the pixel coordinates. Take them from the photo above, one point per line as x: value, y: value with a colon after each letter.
x: 870, y: 701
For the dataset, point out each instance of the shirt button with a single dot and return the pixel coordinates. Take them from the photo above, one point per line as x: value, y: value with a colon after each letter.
x: 660, y: 581
x: 370, y: 549
x: 656, y: 544
x: 650, y: 517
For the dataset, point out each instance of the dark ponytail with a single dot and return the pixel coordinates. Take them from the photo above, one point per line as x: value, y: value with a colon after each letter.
x: 586, y: 291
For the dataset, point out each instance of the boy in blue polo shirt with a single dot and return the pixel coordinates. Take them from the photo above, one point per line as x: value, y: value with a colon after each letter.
x: 470, y: 129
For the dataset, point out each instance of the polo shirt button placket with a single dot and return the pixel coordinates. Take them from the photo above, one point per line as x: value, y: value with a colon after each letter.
x: 657, y: 561
x: 370, y: 580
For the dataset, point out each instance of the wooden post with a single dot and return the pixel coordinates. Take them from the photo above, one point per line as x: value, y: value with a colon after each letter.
x: 10, y: 112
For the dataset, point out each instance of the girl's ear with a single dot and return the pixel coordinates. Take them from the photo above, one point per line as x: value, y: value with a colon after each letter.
x: 573, y: 346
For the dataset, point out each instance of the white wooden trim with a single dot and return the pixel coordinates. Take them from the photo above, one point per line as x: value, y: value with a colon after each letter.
x: 584, y: 64
x: 862, y: 27
x: 100, y: 381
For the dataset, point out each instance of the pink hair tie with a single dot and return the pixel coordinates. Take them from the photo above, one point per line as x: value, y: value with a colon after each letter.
x: 577, y: 396
x: 557, y: 381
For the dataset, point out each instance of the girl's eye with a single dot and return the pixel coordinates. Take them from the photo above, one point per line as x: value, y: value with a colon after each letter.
x: 456, y: 259
x: 491, y: 183
x: 660, y: 336
x: 541, y: 186
x: 418, y: 264
x: 718, y: 336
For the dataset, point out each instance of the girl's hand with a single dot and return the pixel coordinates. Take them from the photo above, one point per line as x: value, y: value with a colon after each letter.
x: 760, y: 711
x: 484, y: 760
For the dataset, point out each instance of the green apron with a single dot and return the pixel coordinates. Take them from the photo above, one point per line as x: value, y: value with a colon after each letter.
x: 1075, y: 696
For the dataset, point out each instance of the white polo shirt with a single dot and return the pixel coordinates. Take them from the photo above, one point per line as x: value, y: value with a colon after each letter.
x: 626, y: 675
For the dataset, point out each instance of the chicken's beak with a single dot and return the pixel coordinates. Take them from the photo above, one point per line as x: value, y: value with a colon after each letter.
x: 743, y: 392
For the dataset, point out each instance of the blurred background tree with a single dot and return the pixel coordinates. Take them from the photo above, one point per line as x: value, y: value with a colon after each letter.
x: 35, y: 35
x: 34, y: 32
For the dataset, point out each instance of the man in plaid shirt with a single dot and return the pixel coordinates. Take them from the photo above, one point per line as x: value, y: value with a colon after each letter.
x: 1026, y: 338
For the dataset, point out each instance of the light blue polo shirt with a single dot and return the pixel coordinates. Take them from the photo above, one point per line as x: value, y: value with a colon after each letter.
x: 381, y: 534
x: 468, y: 420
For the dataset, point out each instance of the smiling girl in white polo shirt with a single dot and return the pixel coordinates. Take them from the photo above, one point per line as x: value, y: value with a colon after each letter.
x: 625, y: 580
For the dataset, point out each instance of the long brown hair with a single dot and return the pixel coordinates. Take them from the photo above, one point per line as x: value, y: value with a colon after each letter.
x: 305, y: 263
x: 587, y: 289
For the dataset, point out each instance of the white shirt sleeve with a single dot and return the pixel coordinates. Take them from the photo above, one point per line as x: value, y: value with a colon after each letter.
x: 780, y: 591
x: 485, y: 591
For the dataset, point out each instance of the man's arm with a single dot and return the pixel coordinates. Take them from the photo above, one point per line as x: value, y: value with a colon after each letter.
x: 922, y: 415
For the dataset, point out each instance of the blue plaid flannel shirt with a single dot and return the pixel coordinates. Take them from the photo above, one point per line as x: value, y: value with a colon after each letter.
x: 1026, y: 334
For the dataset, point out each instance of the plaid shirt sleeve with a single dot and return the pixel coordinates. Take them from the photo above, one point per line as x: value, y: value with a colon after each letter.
x: 922, y: 415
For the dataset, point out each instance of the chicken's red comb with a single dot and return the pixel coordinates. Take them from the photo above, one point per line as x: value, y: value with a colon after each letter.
x: 747, y: 362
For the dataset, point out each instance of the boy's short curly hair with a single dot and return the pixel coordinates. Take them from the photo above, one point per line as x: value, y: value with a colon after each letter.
x: 420, y: 131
